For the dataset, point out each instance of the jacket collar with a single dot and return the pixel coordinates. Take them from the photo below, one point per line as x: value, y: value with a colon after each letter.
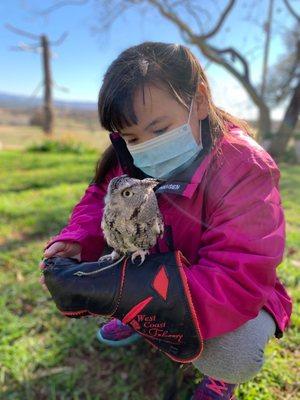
x: 186, y: 182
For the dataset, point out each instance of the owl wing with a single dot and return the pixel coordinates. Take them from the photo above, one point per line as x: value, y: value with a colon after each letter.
x: 149, y: 222
x: 112, y: 230
x: 120, y: 233
x: 159, y: 224
x: 155, y: 215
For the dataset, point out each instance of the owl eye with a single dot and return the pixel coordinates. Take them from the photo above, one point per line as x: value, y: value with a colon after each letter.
x: 127, y: 193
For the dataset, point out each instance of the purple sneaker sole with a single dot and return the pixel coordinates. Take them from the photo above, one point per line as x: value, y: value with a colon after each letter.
x: 121, y: 342
x: 115, y: 333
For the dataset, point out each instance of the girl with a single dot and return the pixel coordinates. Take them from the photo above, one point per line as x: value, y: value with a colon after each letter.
x: 219, y: 197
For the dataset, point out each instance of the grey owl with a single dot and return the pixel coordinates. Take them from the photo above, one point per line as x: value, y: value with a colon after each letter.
x: 131, y: 220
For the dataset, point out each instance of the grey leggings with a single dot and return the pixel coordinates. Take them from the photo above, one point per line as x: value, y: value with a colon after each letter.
x: 237, y: 356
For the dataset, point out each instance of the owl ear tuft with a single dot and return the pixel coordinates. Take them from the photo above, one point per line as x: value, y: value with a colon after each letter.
x: 149, y: 182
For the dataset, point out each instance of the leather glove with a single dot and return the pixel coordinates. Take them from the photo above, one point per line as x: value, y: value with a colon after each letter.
x: 153, y: 298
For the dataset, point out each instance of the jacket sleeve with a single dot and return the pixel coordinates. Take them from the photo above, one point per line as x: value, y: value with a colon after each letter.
x: 241, y: 247
x: 84, y: 224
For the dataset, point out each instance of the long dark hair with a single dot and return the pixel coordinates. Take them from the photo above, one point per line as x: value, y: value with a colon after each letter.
x: 170, y: 65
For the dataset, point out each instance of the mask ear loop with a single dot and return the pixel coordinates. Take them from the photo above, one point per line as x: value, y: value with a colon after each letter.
x: 190, y: 111
x: 200, y: 125
x: 200, y: 134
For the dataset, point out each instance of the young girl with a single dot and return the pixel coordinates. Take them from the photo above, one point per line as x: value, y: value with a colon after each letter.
x: 219, y: 198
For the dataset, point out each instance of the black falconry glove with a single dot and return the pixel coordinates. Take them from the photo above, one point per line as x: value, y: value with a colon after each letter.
x: 154, y: 298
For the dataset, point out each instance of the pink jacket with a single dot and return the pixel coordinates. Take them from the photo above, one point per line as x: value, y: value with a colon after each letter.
x: 226, y: 217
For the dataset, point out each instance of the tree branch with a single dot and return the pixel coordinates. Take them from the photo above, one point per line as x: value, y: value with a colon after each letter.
x: 235, y: 54
x: 61, y: 88
x: 194, y: 9
x: 112, y: 12
x: 36, y: 90
x: 62, y: 4
x: 221, y: 20
x: 21, y: 32
x: 25, y: 47
x: 291, y: 10
x: 60, y: 40
x: 174, y: 18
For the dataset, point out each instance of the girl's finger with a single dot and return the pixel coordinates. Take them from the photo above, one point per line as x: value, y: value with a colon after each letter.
x: 42, y: 265
x: 54, y: 248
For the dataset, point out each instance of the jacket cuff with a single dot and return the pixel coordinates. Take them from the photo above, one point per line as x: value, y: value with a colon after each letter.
x: 92, y: 247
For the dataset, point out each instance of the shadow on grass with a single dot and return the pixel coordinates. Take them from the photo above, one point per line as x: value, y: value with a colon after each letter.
x: 41, y: 225
x: 137, y: 372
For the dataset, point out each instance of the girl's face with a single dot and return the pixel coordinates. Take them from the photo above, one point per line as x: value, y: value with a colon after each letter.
x: 162, y: 113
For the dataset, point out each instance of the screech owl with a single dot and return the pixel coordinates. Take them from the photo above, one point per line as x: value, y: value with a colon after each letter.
x: 131, y: 220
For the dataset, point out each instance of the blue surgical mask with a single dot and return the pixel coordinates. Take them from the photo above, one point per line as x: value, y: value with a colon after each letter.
x: 169, y: 153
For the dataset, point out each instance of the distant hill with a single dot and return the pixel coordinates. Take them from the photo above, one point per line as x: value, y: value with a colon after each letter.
x: 11, y: 101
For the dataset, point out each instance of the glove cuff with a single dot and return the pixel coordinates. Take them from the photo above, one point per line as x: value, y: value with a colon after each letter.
x: 156, y: 302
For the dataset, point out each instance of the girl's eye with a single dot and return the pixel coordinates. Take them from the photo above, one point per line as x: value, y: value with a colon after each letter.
x: 132, y: 140
x: 160, y: 131
x: 127, y: 193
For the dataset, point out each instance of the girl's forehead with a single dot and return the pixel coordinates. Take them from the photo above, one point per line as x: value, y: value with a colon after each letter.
x: 152, y: 99
x: 150, y: 106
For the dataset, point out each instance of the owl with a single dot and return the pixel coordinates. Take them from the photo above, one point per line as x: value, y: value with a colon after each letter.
x: 131, y: 220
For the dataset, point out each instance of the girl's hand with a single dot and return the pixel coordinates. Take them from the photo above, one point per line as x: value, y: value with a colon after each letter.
x: 61, y: 249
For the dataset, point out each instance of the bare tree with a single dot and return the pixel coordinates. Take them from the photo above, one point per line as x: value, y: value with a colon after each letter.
x: 42, y: 45
x: 231, y: 59
x: 193, y: 20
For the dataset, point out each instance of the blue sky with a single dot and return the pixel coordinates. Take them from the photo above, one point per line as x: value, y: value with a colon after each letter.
x: 80, y: 62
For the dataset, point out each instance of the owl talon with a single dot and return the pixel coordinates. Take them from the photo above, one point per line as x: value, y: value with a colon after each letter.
x: 141, y: 253
x: 110, y: 257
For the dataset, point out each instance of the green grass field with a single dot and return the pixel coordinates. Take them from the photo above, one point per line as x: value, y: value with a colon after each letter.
x: 44, y: 355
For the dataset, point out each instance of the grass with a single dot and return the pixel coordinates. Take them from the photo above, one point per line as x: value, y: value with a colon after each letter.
x: 44, y: 355
x: 21, y: 136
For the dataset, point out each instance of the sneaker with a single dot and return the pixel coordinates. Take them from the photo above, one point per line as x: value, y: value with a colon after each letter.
x: 213, y: 389
x: 115, y: 333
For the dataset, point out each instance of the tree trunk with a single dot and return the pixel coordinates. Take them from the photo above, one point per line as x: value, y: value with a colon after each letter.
x: 285, y: 131
x: 48, y: 107
x: 264, y: 123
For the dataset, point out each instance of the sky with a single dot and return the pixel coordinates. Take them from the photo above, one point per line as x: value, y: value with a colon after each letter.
x: 80, y: 62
